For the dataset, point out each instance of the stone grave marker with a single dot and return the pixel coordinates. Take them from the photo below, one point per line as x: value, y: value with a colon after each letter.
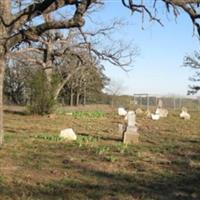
x: 184, y: 114
x: 160, y: 103
x: 131, y: 136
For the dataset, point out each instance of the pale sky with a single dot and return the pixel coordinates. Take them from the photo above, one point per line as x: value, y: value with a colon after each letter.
x: 157, y: 70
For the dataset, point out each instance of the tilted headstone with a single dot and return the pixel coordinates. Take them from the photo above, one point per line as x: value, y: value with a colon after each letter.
x: 131, y: 136
x: 68, y: 134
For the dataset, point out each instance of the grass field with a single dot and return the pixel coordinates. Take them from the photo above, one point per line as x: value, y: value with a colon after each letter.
x: 36, y: 164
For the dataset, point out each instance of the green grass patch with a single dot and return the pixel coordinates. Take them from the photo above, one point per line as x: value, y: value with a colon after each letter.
x: 54, y: 138
x: 102, y: 149
x: 88, y: 114
x: 87, y: 141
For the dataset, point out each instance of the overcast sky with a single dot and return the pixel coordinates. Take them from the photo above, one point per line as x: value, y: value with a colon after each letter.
x: 157, y: 70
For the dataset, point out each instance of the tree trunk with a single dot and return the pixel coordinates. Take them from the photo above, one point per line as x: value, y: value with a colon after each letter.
x: 77, y: 98
x: 71, y: 97
x: 5, y: 10
x: 84, y: 96
x: 2, y: 67
x: 63, y: 83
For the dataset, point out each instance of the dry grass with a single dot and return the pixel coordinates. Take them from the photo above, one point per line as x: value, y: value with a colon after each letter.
x: 164, y: 166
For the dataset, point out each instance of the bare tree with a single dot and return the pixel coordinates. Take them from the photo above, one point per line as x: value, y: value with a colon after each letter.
x: 191, y: 7
x: 194, y: 63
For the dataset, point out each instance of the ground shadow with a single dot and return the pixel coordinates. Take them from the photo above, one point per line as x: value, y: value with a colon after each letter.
x: 16, y: 112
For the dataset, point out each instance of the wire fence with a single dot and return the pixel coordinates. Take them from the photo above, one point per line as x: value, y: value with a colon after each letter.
x: 172, y: 103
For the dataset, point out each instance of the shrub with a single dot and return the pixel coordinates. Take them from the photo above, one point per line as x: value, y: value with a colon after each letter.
x: 41, y: 99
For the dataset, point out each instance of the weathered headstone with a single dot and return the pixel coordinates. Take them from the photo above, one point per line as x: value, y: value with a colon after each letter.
x: 122, y: 112
x: 131, y: 136
x: 184, y: 114
x: 131, y: 119
x: 160, y: 103
x: 155, y: 116
x: 162, y: 112
x: 68, y: 134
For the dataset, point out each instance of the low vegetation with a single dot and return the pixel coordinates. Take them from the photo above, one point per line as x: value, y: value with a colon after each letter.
x: 37, y: 164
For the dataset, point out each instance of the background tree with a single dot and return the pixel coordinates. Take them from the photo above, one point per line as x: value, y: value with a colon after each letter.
x: 194, y: 63
x: 114, y: 89
x: 15, y: 82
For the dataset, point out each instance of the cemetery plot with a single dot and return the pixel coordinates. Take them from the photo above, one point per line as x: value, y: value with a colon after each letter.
x: 37, y: 164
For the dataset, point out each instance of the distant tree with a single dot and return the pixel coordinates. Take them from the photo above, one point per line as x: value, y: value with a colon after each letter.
x: 84, y: 85
x: 15, y: 82
x: 194, y: 63
x: 114, y: 89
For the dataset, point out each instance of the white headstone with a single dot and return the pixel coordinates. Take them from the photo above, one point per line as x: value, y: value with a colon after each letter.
x: 185, y: 115
x: 155, y: 116
x: 131, y: 136
x: 68, y: 134
x: 122, y: 112
x: 162, y: 112
x: 131, y: 118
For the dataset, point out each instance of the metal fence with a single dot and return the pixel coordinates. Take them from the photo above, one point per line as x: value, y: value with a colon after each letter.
x: 170, y: 102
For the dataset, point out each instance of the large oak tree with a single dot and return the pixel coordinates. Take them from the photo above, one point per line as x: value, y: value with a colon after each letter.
x: 16, y: 27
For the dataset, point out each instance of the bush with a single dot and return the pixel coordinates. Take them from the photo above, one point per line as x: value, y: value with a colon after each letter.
x: 41, y: 100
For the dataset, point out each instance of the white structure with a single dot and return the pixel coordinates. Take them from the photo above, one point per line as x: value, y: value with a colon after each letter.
x: 162, y: 112
x: 131, y: 118
x: 131, y: 136
x: 185, y: 115
x: 122, y: 112
x: 68, y: 134
x: 155, y: 116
